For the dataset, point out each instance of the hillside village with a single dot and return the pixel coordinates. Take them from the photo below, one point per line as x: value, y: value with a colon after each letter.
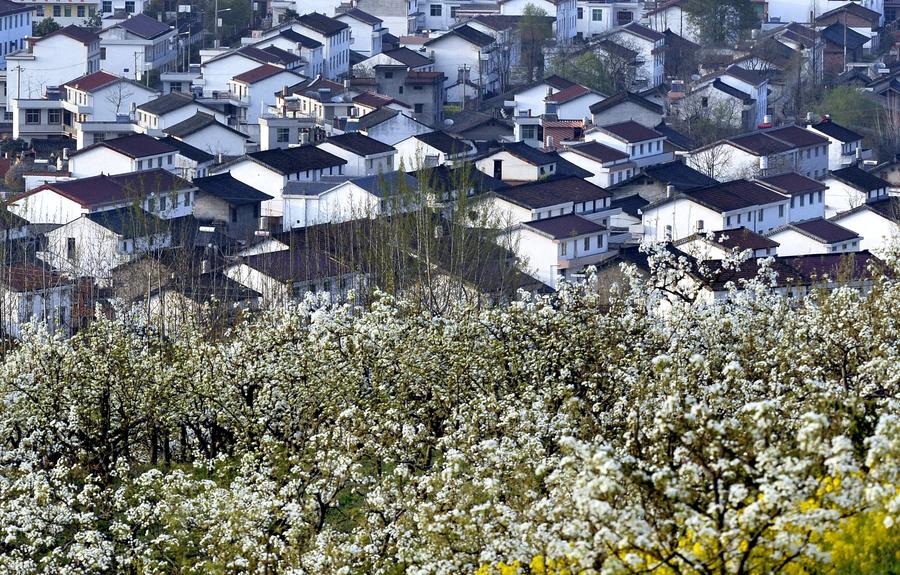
x: 446, y: 148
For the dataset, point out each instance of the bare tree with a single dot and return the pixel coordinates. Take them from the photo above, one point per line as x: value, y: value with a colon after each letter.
x: 119, y: 94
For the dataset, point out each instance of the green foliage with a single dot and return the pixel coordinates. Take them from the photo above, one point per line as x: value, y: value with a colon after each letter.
x: 45, y: 26
x: 534, y: 30
x: 13, y: 146
x: 849, y: 106
x: 720, y: 22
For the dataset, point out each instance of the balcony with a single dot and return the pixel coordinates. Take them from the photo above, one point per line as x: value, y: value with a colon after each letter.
x: 226, y: 96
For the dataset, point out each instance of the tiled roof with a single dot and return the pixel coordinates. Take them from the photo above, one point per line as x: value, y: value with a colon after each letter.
x: 644, y: 32
x: 167, y: 103
x: 836, y: 131
x: 409, y: 57
x: 629, y: 204
x: 680, y: 175
x: 793, y: 183
x: 292, y: 160
x: 467, y: 33
x: 853, y: 9
x: 552, y: 191
x: 145, y: 26
x: 284, y: 57
x: 675, y: 137
x: 299, y: 38
x: 128, y: 222
x: 557, y: 82
x: 364, y: 17
x: 188, y: 151
x: 855, y: 264
x: 568, y: 94
x: 196, y: 123
x: 83, y: 35
x: 859, y: 179
x: 443, y: 142
x: 749, y: 76
x: 737, y: 238
x: 525, y: 152
x: 359, y: 144
x: 630, y: 131
x: 599, y: 152
x: 752, y: 191
x: 132, y: 145
x: 7, y: 7
x: 322, y: 23
x: 376, y: 117
x: 92, y: 82
x: 374, y: 100
x: 387, y: 184
x: 565, y: 226
x: 820, y: 230
x: 760, y: 144
x: 623, y: 97
x: 296, y: 265
x: 721, y: 86
x: 836, y: 34
x: 104, y: 190
x: 797, y: 136
x: 258, y: 74
x: 226, y: 187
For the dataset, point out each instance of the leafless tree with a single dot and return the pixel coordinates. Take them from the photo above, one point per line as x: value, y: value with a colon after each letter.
x: 119, y: 94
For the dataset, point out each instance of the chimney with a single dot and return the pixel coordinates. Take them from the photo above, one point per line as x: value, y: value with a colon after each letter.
x: 65, y: 153
x: 284, y: 90
x: 767, y: 119
x: 670, y: 191
x: 347, y: 84
x: 859, y: 160
x: 763, y: 164
x: 220, y: 158
x: 809, y: 117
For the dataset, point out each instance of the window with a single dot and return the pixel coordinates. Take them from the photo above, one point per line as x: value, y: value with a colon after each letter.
x: 781, y: 210
x: 587, y: 244
x: 563, y: 247
x: 739, y: 218
x: 600, y: 241
x: 419, y: 108
x: 699, y: 225
x: 103, y: 53
x: 792, y: 201
x: 704, y: 102
x: 596, y: 15
x: 39, y: 10
x: 140, y: 164
x: 436, y: 9
x: 162, y: 203
x: 232, y: 212
x: 388, y: 75
x: 759, y: 216
x: 400, y: 89
x: 79, y: 11
x: 54, y: 116
x: 158, y: 162
x: 282, y: 135
x: 581, y: 13
x: 32, y: 116
x: 728, y: 221
x: 151, y: 204
x: 187, y: 199
x: 669, y: 233
x: 57, y: 11
x: 802, y: 197
x: 70, y: 248
x: 453, y: 11
x: 129, y: 7
x: 67, y: 11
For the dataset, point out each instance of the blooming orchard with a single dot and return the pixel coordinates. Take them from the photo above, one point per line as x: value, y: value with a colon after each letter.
x: 575, y: 434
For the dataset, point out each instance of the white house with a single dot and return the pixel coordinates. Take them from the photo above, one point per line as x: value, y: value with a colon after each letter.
x: 33, y: 293
x: 596, y: 17
x: 205, y: 132
x: 517, y: 162
x: 729, y: 205
x: 273, y: 171
x: 256, y: 88
x: 744, y: 156
x: 626, y: 106
x: 845, y: 145
x: 463, y: 54
x: 432, y: 149
x: 877, y: 223
x: 137, y: 45
x: 722, y: 244
x: 852, y: 187
x: 390, y: 126
x: 365, y: 156
x: 609, y: 165
x: 67, y: 13
x: 365, y: 197
x: 132, y: 153
x: 818, y: 236
x: 15, y: 27
x: 806, y: 194
x: 551, y: 197
x: 799, y: 10
x: 366, y: 31
x: 335, y: 38
x: 670, y: 15
x: 98, y: 107
x: 310, y: 51
x: 157, y: 115
x: 642, y: 144
x: 812, y: 149
x: 157, y: 191
x: 650, y: 46
x: 559, y: 247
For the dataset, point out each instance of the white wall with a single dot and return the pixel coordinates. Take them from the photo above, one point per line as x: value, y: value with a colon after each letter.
x: 514, y: 168
x: 809, y: 210
x: 356, y: 165
x: 396, y: 129
x: 264, y: 180
x: 46, y: 207
x: 682, y: 215
x: 217, y: 140
x: 793, y: 243
x: 839, y: 197
x: 876, y: 231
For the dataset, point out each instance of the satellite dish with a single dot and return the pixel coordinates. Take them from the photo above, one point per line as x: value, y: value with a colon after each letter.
x: 448, y: 122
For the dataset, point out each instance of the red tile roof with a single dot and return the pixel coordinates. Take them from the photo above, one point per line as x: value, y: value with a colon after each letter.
x: 91, y: 82
x: 568, y: 94
x: 258, y: 74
